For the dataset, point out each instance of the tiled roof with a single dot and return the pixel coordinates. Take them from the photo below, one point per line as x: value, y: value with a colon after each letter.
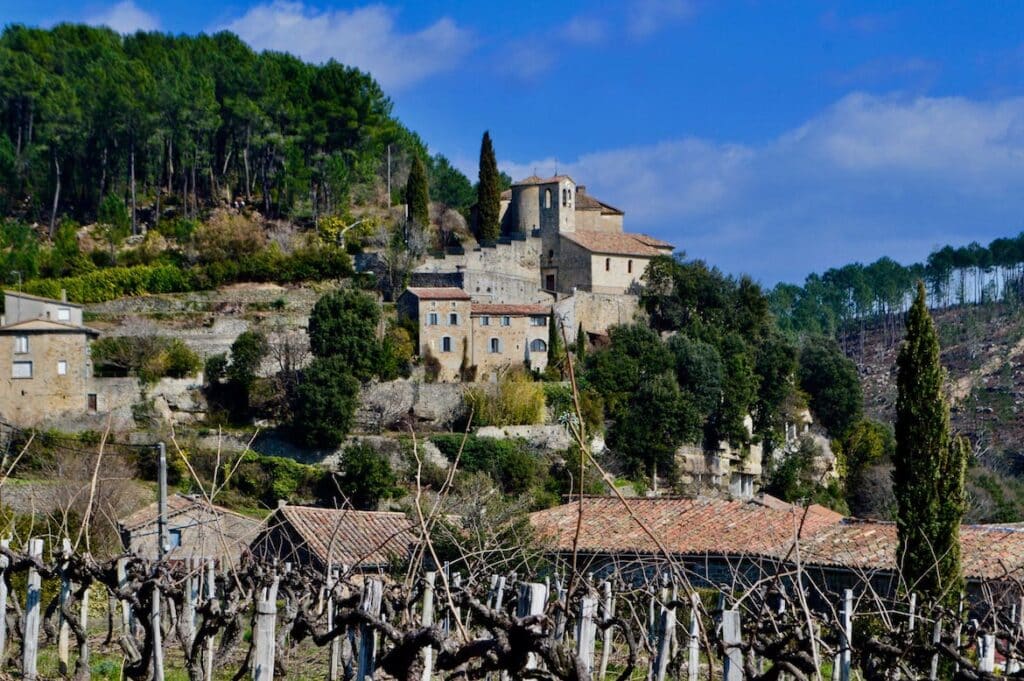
x: 585, y: 201
x: 506, y: 195
x: 651, y: 241
x: 511, y: 310
x: 763, y: 528
x: 47, y: 325
x: 176, y: 505
x: 29, y: 296
x: 613, y: 243
x: 345, y: 537
x: 685, y: 526
x: 438, y: 293
x: 533, y: 179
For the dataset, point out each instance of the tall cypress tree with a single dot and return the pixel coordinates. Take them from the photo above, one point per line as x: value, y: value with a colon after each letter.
x: 581, y: 345
x: 417, y: 193
x: 929, y: 466
x: 488, y: 192
x: 556, y: 353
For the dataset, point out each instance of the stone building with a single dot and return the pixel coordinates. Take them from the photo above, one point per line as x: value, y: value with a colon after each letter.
x: 557, y: 242
x: 46, y: 348
x: 487, y: 337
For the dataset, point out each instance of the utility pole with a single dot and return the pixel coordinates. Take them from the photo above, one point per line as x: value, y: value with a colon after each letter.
x: 389, y: 176
x: 161, y: 521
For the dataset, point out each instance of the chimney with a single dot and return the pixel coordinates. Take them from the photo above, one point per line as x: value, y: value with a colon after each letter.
x: 63, y: 295
x: 581, y: 189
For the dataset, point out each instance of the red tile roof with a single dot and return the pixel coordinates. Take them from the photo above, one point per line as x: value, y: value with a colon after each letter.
x: 346, y: 537
x: 614, y: 243
x: 651, y: 241
x: 438, y: 293
x: 510, y: 310
x: 764, y: 528
x: 684, y: 526
x: 585, y: 201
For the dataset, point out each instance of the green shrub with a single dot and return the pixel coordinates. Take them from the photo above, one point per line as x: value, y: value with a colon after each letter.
x: 366, y: 477
x: 517, y: 400
x: 324, y: 403
x: 508, y: 462
x: 558, y: 397
x: 148, y: 357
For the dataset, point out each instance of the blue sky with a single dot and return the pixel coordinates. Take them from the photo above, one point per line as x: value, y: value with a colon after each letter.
x: 775, y: 138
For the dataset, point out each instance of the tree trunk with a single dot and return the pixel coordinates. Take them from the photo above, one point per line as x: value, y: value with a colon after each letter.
x: 245, y: 160
x: 170, y: 164
x: 56, y: 195
x: 103, y: 172
x: 135, y: 229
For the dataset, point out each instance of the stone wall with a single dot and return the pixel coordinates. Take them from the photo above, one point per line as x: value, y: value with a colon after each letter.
x: 503, y: 273
x: 596, y: 311
x: 45, y: 393
x: 388, y: 405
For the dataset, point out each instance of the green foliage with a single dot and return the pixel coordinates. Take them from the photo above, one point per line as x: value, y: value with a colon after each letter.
x: 635, y: 355
x: 271, y: 478
x: 148, y: 357
x: 215, y: 368
x: 516, y: 400
x: 324, y: 403
x: 794, y: 479
x: 558, y: 397
x: 366, y: 477
x: 831, y: 381
x: 417, y: 193
x: 114, y: 221
x: 488, y: 193
x: 508, y: 462
x: 344, y: 325
x: 247, y: 353
x: 699, y: 371
x: 581, y: 346
x: 448, y: 186
x: 929, y: 465
x: 228, y: 237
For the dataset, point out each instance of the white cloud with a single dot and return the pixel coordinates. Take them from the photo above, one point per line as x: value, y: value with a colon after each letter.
x: 125, y: 17
x: 646, y: 17
x: 585, y: 30
x: 364, y: 37
x: 869, y: 176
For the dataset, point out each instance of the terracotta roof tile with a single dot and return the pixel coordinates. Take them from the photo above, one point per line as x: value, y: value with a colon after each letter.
x: 651, y: 241
x: 438, y: 293
x: 511, y: 310
x: 613, y: 243
x: 346, y: 537
x: 176, y: 505
x: 585, y: 201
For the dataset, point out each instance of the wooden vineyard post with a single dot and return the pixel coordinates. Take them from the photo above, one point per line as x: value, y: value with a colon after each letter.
x: 987, y: 653
x: 531, y: 602
x: 693, y: 662
x: 64, y: 629
x: 846, y: 636
x: 4, y: 562
x: 373, y: 591
x: 456, y: 585
x: 126, y: 608
x: 211, y: 594
x: 156, y: 623
x: 427, y: 620
x: 263, y: 633
x: 933, y: 672
x: 334, y: 659
x: 606, y: 634
x: 731, y: 640
x: 32, y: 597
x: 586, y: 633
x: 667, y: 625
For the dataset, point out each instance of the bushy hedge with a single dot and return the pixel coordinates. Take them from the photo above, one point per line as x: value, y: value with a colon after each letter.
x: 308, y: 264
x: 508, y: 462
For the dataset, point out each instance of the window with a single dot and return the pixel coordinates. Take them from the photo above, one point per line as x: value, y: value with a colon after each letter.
x: 485, y: 321
x: 453, y: 319
x: 432, y: 319
x: 564, y: 199
x: 446, y: 344
x: 551, y: 254
x: 629, y: 267
x: 607, y: 264
x: 495, y: 345
x: 538, y: 321
x: 63, y: 314
x: 506, y: 321
x: 91, y: 401
x: 547, y: 198
x: 537, y: 345
x: 21, y: 344
x: 174, y: 538
x: 21, y: 370
x: 62, y: 367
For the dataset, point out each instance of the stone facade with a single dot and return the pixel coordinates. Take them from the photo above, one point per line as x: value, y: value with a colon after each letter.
x: 723, y: 469
x: 442, y: 315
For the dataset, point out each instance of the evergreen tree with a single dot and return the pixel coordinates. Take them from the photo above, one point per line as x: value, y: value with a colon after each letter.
x: 417, y: 193
x: 929, y: 466
x: 556, y: 353
x: 581, y: 345
x: 488, y: 192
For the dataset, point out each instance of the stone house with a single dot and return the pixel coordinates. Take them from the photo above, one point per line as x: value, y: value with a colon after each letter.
x: 46, y: 348
x: 362, y: 541
x: 488, y: 336
x: 195, y: 529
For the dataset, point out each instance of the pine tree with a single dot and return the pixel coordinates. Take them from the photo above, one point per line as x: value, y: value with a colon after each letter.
x: 929, y: 466
x: 581, y: 345
x: 488, y: 193
x: 417, y: 193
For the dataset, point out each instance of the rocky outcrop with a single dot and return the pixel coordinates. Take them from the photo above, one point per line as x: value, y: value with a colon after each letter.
x: 393, y: 404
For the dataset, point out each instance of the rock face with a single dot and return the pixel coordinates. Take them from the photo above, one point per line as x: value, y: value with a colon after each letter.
x: 552, y: 437
x: 431, y: 406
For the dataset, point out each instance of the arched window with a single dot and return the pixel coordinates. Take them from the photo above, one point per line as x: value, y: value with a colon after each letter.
x: 565, y: 199
x: 537, y: 345
x: 607, y: 264
x: 629, y: 266
x: 547, y: 198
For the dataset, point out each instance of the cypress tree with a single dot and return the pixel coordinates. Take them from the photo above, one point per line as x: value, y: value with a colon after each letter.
x: 417, y: 193
x: 488, y: 192
x: 581, y: 345
x: 929, y: 466
x: 556, y: 354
